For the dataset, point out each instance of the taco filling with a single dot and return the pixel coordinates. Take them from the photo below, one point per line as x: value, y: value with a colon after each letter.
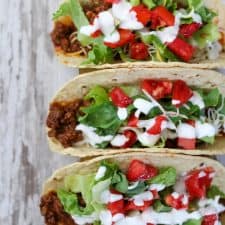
x: 160, y: 113
x: 142, y: 195
x: 119, y: 30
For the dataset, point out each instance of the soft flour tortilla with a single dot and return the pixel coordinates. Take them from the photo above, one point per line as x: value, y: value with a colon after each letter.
x: 79, y: 86
x: 75, y: 59
x: 182, y: 164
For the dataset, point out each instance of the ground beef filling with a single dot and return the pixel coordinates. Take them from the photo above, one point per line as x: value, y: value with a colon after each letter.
x: 53, y: 212
x: 64, y: 35
x: 62, y: 121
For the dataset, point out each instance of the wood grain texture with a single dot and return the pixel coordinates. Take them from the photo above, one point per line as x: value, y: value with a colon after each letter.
x: 29, y: 76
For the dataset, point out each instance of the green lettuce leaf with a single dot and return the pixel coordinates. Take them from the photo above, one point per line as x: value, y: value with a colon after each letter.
x: 131, y: 90
x: 135, y: 2
x: 171, y: 5
x: 141, y: 187
x: 160, y: 207
x: 74, y: 9
x: 196, y: 4
x: 71, y: 205
x: 209, y: 140
x: 214, y: 191
x: 193, y: 222
x: 99, y: 54
x: 103, y: 117
x: 206, y: 14
x: 149, y: 3
x: 98, y: 94
x: 209, y: 33
x: 166, y: 176
x: 211, y: 99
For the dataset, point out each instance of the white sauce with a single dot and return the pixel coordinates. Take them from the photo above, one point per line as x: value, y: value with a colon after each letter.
x: 105, y: 217
x: 204, y: 130
x: 196, y: 99
x: 100, y: 173
x: 122, y: 113
x: 139, y: 199
x: 147, y: 139
x: 142, y: 106
x: 107, y: 196
x: 185, y: 130
x: 175, y: 195
x: 176, y: 102
x: 157, y: 187
x: 81, y: 220
x: 213, y: 49
x: 119, y: 140
x: 91, y: 137
x: 173, y: 217
x: 117, y: 217
x: 201, y: 174
x: 90, y: 29
x: 131, y: 220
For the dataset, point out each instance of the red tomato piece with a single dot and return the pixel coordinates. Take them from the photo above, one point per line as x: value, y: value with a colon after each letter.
x: 116, y: 207
x: 156, y: 88
x: 186, y: 143
x: 143, y: 14
x: 156, y: 128
x: 181, y: 93
x: 96, y: 34
x: 119, y: 97
x: 164, y: 15
x: 177, y: 203
x: 139, y: 51
x: 209, y: 219
x: 132, y: 138
x: 138, y: 170
x: 198, y: 181
x: 191, y: 122
x: 187, y: 30
x: 182, y: 49
x: 132, y: 121
x: 112, y: 1
x: 126, y: 36
x: 130, y: 206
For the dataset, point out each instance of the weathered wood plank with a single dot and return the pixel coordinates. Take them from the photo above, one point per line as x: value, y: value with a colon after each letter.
x: 29, y: 76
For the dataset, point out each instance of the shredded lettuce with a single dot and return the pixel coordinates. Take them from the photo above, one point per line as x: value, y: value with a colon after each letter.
x: 63, y: 10
x: 209, y: 33
x: 160, y: 207
x: 141, y: 187
x: 162, y: 52
x: 169, y: 4
x: 211, y: 99
x: 193, y: 222
x: 135, y: 2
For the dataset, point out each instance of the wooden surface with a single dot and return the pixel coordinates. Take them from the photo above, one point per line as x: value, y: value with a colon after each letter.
x: 29, y: 76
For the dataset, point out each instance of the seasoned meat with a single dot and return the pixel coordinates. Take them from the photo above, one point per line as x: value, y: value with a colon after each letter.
x: 53, y: 212
x: 62, y: 122
x: 62, y: 37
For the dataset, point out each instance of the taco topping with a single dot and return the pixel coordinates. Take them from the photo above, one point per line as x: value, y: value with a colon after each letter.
x: 142, y: 195
x: 154, y: 113
x: 138, y: 30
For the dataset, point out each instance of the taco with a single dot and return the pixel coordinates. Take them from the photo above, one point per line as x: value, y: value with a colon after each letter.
x: 136, y: 188
x: 175, y: 110
x: 140, y: 33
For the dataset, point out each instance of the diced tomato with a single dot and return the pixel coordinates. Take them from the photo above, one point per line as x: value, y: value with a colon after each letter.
x: 132, y: 121
x: 156, y: 128
x: 138, y: 170
x: 119, y: 97
x: 155, y: 194
x: 177, y: 203
x: 116, y: 207
x: 181, y: 93
x: 186, y: 143
x: 182, y: 49
x: 112, y: 1
x: 138, y: 51
x: 143, y: 14
x: 209, y: 219
x: 132, y: 138
x: 196, y: 184
x: 130, y: 206
x: 126, y: 36
x: 156, y: 88
x: 187, y: 30
x: 191, y: 122
x: 164, y: 15
x: 96, y: 34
